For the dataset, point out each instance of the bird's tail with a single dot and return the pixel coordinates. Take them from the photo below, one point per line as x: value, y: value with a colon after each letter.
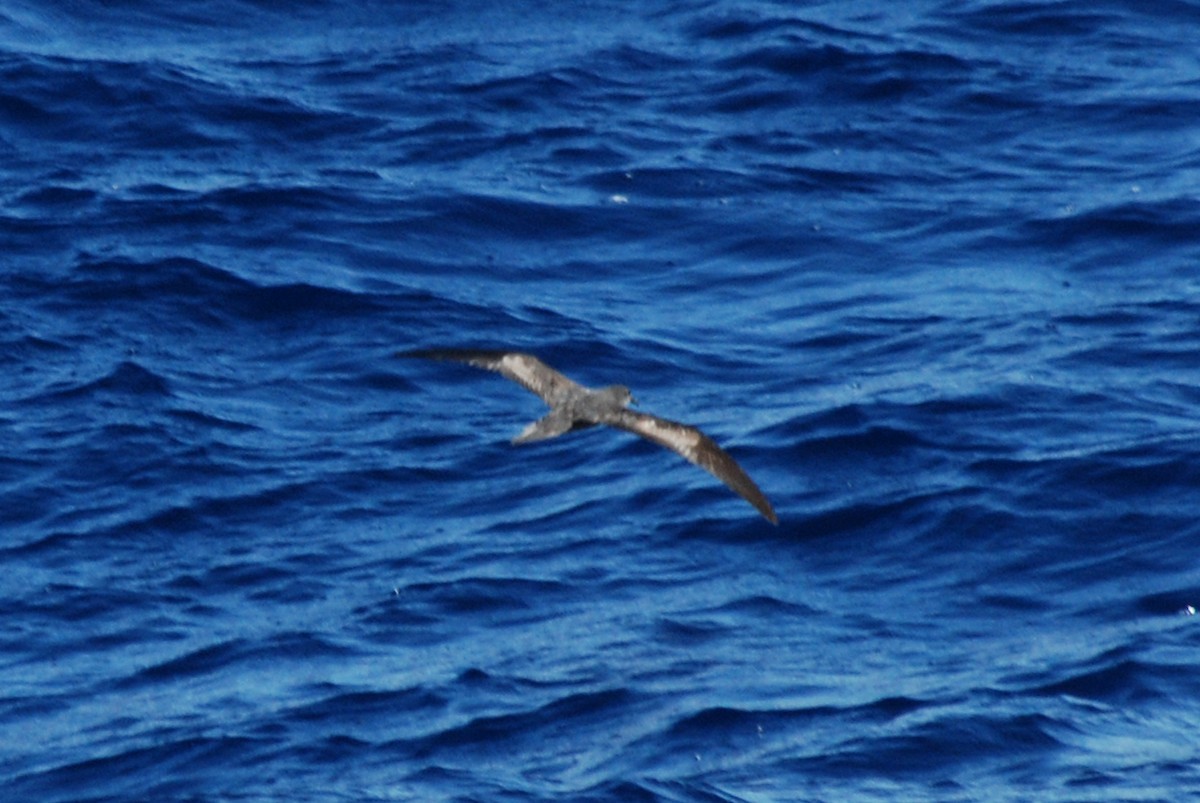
x: 551, y: 425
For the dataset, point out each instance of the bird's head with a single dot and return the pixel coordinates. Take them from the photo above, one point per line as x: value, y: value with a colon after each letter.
x: 621, y: 394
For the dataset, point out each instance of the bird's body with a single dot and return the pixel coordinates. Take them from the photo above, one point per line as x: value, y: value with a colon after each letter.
x: 574, y: 406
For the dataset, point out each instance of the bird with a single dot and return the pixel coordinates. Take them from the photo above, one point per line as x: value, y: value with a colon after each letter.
x: 574, y: 406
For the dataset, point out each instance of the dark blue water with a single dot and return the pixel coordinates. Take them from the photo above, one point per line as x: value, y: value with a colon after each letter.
x: 930, y: 271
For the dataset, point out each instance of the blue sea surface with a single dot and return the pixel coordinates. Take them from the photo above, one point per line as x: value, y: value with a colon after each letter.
x: 930, y: 271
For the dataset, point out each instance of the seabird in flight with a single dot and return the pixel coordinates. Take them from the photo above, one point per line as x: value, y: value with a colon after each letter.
x: 573, y: 406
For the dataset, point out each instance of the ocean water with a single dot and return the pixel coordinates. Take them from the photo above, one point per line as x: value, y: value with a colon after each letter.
x: 930, y: 271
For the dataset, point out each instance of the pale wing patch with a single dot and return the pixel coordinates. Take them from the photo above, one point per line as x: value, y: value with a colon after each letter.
x: 676, y: 437
x: 526, y: 370
x: 698, y: 448
x: 533, y: 374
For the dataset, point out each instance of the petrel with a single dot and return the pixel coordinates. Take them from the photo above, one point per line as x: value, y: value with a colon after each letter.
x: 573, y: 406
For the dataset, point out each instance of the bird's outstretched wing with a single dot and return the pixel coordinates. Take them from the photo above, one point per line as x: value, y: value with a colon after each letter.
x: 697, y: 447
x: 526, y: 370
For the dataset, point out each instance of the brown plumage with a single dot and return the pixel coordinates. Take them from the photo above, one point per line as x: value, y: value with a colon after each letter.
x: 573, y: 406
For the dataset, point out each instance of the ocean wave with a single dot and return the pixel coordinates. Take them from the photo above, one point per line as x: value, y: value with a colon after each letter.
x: 926, y: 273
